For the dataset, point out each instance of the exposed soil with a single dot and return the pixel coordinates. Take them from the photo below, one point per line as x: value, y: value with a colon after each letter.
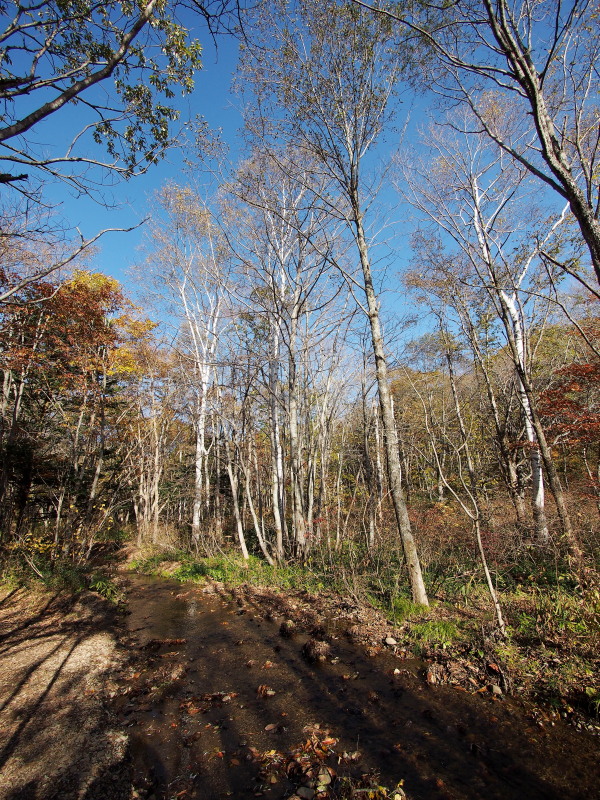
x: 58, y: 738
x: 200, y: 694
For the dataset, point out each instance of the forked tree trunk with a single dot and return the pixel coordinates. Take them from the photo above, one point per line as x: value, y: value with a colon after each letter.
x: 237, y: 512
x: 299, y: 520
x: 507, y: 457
x: 537, y: 476
x: 571, y: 538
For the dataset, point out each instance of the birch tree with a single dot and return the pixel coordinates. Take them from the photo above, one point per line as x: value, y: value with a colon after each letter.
x: 332, y: 70
x: 466, y: 487
x: 473, y: 318
x: 476, y: 198
x: 540, y: 60
x: 188, y: 262
x: 155, y: 403
x: 282, y: 238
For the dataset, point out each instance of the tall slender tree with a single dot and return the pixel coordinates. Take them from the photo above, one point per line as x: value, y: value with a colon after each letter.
x: 189, y: 267
x: 333, y: 72
x: 473, y: 193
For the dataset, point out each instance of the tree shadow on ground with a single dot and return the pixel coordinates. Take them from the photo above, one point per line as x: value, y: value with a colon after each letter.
x: 218, y: 737
x: 56, y: 736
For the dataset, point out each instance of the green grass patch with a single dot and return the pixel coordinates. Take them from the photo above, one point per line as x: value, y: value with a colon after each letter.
x: 105, y: 587
x: 403, y: 609
x: 437, y: 632
x: 232, y: 570
x: 150, y: 564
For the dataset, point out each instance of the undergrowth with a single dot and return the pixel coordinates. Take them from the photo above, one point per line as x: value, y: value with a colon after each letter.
x: 59, y: 575
x: 232, y: 570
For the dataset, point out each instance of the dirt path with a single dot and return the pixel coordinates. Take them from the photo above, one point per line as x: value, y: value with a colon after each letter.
x: 224, y: 702
x: 197, y: 695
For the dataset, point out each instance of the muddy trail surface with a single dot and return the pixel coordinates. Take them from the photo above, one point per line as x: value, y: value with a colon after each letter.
x: 220, y: 701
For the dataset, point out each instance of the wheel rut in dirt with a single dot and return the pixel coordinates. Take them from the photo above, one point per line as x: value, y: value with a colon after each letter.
x: 219, y: 704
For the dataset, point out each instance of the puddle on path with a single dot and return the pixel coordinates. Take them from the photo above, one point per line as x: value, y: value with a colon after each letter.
x: 196, y: 715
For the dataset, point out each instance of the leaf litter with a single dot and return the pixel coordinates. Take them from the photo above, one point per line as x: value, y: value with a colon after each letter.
x: 389, y: 726
x: 183, y: 717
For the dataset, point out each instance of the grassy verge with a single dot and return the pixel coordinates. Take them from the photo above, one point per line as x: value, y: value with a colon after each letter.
x: 232, y: 570
x: 60, y: 576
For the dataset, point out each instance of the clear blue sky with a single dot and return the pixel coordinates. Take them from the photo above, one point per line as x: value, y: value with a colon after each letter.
x: 212, y: 100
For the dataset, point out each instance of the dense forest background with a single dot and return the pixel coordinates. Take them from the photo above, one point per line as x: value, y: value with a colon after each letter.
x: 256, y: 394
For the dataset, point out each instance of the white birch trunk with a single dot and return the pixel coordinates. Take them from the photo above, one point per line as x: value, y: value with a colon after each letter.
x: 277, y: 482
x: 537, y: 477
x: 239, y: 523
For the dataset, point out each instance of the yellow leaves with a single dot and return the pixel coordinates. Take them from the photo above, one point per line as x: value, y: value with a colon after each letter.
x: 33, y: 542
x: 94, y: 281
x: 123, y: 361
x: 134, y: 327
